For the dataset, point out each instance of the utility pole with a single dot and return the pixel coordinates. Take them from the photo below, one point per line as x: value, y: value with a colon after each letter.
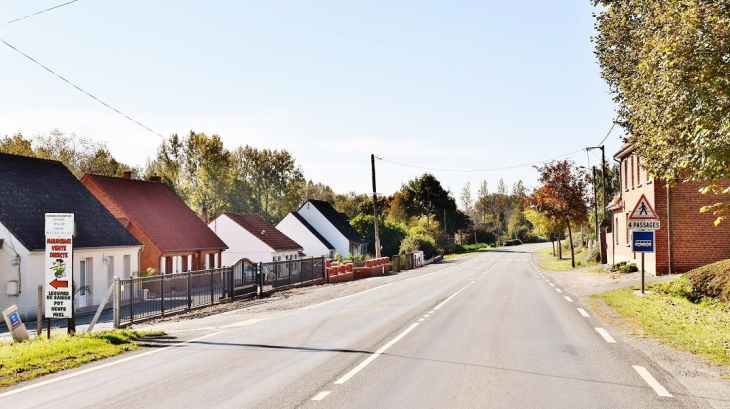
x: 375, y: 210
x: 603, y: 178
x: 595, y: 203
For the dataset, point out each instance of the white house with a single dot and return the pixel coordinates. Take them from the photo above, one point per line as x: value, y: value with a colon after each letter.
x: 313, y: 243
x: 334, y: 227
x: 102, y: 247
x: 251, y: 237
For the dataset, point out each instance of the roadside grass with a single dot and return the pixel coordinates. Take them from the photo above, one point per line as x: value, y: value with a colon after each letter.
x: 470, y: 249
x: 700, y: 326
x: 40, y: 356
x: 549, y: 262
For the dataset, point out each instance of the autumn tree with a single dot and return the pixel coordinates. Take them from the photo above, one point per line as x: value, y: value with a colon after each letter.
x: 561, y: 196
x: 667, y: 63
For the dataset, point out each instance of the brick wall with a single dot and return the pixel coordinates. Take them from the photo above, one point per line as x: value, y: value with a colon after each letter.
x: 695, y: 239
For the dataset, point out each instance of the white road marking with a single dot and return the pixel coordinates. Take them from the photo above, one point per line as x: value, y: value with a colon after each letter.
x: 568, y: 298
x: 421, y: 320
x: 583, y: 312
x: 321, y: 395
x: 245, y: 322
x: 426, y: 316
x: 352, y: 295
x: 606, y: 335
x: 372, y: 357
x: 558, y: 290
x: 102, y: 366
x: 658, y: 388
x: 431, y: 312
x: 552, y: 285
x: 449, y: 299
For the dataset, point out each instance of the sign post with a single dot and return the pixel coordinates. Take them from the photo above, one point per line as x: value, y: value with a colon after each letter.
x: 15, y: 325
x: 643, y: 222
x: 59, y: 266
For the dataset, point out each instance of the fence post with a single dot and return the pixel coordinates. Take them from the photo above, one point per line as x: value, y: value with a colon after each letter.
x: 116, y: 301
x: 39, y: 318
x: 131, y: 301
x: 230, y: 277
x: 211, y: 287
x: 189, y: 291
x: 261, y: 278
x: 162, y: 293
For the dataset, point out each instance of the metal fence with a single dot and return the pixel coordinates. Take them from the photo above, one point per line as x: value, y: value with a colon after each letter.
x: 138, y: 299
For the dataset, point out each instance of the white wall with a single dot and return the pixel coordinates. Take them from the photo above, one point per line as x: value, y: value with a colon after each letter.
x: 32, y: 270
x: 325, y: 228
x: 241, y: 243
x: 294, y: 229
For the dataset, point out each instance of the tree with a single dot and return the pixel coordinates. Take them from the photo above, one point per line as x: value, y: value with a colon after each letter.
x: 391, y: 233
x: 482, y: 205
x: 667, y: 65
x: 16, y: 145
x: 465, y: 198
x: 561, y: 196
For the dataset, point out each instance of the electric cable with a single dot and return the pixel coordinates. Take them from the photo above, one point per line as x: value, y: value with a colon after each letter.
x: 78, y: 88
x: 35, y: 14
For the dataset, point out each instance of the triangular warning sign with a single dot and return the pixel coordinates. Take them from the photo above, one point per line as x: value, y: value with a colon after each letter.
x: 643, y: 211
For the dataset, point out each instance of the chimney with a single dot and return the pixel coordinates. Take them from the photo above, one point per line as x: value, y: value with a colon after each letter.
x: 205, y: 213
x: 127, y: 174
x: 155, y: 178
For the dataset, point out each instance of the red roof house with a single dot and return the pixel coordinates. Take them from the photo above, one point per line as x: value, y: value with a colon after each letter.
x: 253, y: 238
x: 175, y: 239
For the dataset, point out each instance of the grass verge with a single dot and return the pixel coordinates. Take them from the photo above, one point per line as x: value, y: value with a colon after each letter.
x: 40, y: 356
x: 548, y: 262
x: 667, y: 315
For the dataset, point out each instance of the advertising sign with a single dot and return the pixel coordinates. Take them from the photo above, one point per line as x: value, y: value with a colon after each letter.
x: 59, y: 264
x: 642, y: 242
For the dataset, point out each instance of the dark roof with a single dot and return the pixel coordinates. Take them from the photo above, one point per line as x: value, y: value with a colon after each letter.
x: 338, y: 220
x: 311, y: 229
x: 31, y: 187
x: 156, y: 210
x: 264, y: 231
x: 624, y: 151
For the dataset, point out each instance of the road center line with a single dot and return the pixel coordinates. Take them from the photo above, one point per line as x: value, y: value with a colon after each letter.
x: 551, y: 284
x: 658, y: 388
x: 449, y: 299
x: 321, y: 395
x: 568, y: 298
x: 102, y: 366
x: 372, y: 357
x: 606, y: 335
x: 583, y: 312
x: 558, y: 290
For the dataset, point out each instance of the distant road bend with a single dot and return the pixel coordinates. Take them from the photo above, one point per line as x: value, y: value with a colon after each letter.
x: 487, y: 330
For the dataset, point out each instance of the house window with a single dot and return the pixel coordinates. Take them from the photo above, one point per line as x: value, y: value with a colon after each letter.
x: 168, y: 265
x: 615, y: 233
x: 627, y: 229
x: 184, y: 264
x: 626, y: 174
x: 211, y: 260
x: 632, y: 171
x: 127, y: 266
x: 110, y: 270
x: 638, y: 171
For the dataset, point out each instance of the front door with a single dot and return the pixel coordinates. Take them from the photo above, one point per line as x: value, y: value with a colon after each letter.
x: 85, y: 280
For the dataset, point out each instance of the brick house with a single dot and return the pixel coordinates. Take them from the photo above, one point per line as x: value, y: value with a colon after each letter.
x: 687, y: 238
x: 175, y: 239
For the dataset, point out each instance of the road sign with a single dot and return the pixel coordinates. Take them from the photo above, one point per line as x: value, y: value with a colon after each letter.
x: 644, y: 225
x: 643, y: 211
x: 642, y: 242
x: 59, y: 265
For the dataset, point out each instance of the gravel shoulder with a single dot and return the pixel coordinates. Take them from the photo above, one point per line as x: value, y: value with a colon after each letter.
x: 702, y: 378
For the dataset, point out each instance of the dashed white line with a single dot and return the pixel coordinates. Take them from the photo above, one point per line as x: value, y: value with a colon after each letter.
x: 583, y: 312
x: 568, y: 298
x: 431, y: 312
x: 321, y: 395
x: 377, y: 353
x: 426, y: 316
x: 449, y: 299
x: 658, y: 388
x: 558, y: 290
x: 551, y: 284
x: 421, y: 320
x: 606, y: 335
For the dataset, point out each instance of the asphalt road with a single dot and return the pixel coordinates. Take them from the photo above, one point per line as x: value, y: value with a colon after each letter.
x: 486, y: 331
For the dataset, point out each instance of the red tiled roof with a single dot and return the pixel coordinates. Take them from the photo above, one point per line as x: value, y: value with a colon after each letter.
x: 264, y: 231
x: 156, y: 210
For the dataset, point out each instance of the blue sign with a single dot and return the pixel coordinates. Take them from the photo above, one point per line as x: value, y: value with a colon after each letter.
x: 642, y: 242
x: 14, y: 319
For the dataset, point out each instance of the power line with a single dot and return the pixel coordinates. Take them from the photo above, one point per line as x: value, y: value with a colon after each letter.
x: 35, y: 14
x: 609, y: 133
x: 75, y: 86
x: 480, y: 170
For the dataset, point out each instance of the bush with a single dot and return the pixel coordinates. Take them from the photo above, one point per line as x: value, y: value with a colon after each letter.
x: 712, y: 280
x: 593, y: 256
x: 624, y: 267
x: 512, y: 242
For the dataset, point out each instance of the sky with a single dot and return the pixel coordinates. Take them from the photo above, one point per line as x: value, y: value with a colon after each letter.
x: 459, y: 85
